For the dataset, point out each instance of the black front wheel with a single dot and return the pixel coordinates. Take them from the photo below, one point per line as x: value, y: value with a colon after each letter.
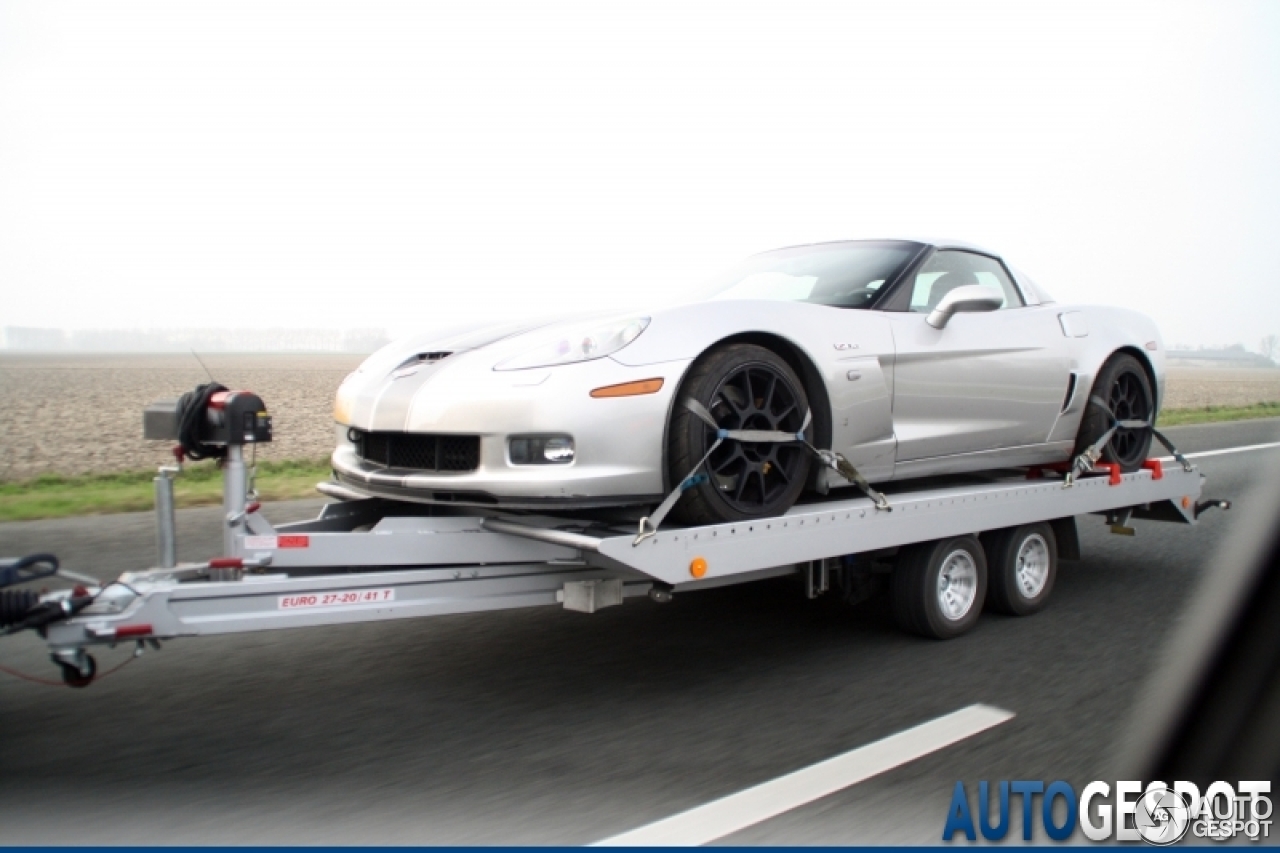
x: 742, y: 386
x: 1123, y: 385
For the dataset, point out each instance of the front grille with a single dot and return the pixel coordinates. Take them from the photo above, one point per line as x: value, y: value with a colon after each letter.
x: 419, y: 451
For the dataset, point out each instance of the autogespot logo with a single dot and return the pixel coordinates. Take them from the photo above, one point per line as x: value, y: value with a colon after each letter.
x: 1157, y: 813
x: 1162, y: 816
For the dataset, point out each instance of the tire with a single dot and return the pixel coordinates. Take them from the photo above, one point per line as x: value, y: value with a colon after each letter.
x: 938, y: 587
x: 1022, y: 564
x: 1123, y: 384
x: 73, y: 677
x: 743, y: 386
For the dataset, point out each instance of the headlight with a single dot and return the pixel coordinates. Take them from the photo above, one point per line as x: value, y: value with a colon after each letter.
x: 580, y: 345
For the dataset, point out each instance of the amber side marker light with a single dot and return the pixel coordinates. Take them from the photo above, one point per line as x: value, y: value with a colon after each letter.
x: 698, y: 567
x: 629, y: 389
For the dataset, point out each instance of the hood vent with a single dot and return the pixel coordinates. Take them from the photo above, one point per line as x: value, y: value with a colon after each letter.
x: 415, y: 363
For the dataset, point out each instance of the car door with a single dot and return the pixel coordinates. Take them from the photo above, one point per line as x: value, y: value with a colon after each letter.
x: 984, y: 382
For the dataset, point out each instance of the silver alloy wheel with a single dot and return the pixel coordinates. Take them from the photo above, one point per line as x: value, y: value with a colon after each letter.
x: 1032, y: 567
x: 957, y: 585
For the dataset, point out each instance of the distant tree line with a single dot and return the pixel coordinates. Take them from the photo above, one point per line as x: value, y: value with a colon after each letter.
x: 183, y: 340
x: 1234, y: 355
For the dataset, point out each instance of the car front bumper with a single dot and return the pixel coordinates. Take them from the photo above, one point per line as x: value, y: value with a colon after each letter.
x: 618, y: 441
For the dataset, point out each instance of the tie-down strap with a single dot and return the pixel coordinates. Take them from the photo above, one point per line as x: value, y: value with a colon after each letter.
x: 1091, y: 454
x: 830, y: 459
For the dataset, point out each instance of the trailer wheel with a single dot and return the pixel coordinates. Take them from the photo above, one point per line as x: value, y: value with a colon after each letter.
x: 1023, y: 566
x: 938, y: 587
x: 72, y: 676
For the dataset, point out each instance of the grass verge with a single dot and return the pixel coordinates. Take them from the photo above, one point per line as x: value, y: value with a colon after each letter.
x: 1214, y: 414
x: 200, y: 483
x: 53, y: 496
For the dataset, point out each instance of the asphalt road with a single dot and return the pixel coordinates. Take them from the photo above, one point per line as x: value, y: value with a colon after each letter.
x: 544, y: 726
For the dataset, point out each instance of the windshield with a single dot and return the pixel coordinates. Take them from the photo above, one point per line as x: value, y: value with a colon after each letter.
x: 842, y: 275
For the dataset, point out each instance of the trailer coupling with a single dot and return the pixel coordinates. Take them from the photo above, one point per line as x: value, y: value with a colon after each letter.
x: 23, y: 609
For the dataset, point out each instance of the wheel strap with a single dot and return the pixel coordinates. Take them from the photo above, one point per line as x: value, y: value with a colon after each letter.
x: 1168, y: 445
x: 1089, y: 457
x: 830, y: 459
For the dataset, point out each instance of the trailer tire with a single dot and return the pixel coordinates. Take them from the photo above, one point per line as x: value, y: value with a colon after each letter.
x: 1022, y: 566
x: 938, y: 587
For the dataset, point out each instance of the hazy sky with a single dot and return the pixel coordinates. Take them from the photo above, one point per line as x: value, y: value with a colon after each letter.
x: 411, y: 164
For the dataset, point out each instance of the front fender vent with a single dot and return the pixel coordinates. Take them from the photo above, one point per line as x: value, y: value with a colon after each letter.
x: 1072, y: 379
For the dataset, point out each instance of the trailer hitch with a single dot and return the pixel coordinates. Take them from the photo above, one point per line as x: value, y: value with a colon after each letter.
x: 26, y: 609
x: 46, y: 613
x: 22, y: 609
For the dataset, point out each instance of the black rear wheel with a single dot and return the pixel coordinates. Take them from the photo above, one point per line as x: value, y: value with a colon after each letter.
x: 743, y: 386
x: 1123, y: 385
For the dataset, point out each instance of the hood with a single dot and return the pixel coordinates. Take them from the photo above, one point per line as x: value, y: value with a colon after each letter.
x: 380, y: 393
x: 429, y: 347
x: 447, y: 341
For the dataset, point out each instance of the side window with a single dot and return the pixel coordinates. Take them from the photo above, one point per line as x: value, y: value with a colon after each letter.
x: 950, y: 269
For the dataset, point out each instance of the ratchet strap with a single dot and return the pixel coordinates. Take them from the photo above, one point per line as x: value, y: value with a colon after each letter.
x: 1091, y: 454
x: 830, y: 459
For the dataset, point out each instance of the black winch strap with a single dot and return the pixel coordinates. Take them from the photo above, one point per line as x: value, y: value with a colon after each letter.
x: 649, y: 524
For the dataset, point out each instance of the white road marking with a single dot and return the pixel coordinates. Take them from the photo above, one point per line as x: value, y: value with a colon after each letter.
x: 1225, y: 450
x: 770, y: 799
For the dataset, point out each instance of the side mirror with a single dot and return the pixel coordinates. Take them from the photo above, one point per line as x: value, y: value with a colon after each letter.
x: 967, y: 299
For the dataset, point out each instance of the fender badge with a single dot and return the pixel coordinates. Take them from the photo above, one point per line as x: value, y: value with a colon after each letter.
x: 845, y: 346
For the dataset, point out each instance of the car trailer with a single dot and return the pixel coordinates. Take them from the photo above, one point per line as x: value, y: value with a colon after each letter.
x: 943, y: 547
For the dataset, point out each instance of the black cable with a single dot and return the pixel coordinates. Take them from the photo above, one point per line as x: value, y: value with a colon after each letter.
x: 194, y: 405
x: 16, y: 605
x: 46, y: 612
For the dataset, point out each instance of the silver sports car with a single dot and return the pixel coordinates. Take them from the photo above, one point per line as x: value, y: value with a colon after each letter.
x: 908, y: 358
